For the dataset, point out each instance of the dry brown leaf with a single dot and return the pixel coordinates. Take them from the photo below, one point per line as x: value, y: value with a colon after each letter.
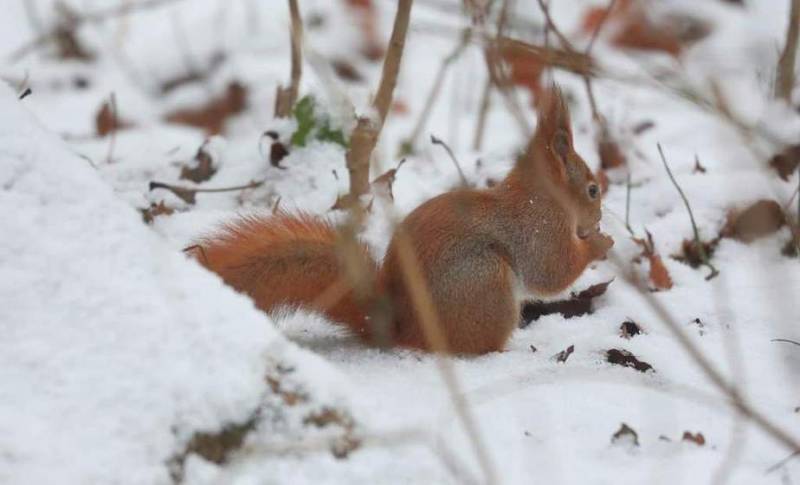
x: 106, y: 121
x: 659, y: 275
x: 627, y: 359
x: 212, y: 116
x: 201, y: 168
x: 696, y: 438
x: 786, y: 162
x: 611, y: 155
x: 760, y: 219
x: 578, y: 304
x: 633, y: 27
x: 629, y: 329
x: 155, y: 210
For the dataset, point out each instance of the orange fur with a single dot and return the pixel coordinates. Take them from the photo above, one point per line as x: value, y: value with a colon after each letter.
x: 537, y: 229
x: 284, y: 260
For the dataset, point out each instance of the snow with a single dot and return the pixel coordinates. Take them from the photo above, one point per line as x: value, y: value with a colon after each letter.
x: 117, y: 348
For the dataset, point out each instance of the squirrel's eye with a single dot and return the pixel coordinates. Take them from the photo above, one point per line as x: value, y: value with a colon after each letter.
x: 593, y: 191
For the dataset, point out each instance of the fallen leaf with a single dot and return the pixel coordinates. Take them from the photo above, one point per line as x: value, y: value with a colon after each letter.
x: 201, y: 167
x: 696, y: 438
x: 658, y: 273
x: 346, y: 70
x: 107, y: 121
x: 627, y: 359
x: 155, y: 210
x: 633, y: 26
x: 659, y: 276
x: 367, y: 19
x: 610, y: 153
x: 642, y: 127
x: 690, y: 254
x: 577, y: 305
x: 760, y: 219
x: 212, y: 116
x: 786, y: 162
x: 630, y: 329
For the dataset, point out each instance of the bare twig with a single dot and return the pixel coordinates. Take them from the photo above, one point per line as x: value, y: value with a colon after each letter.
x: 596, y: 33
x: 437, y: 141
x: 422, y: 302
x: 90, y: 18
x: 480, y: 126
x: 285, y: 98
x: 112, y: 106
x: 780, y: 464
x: 394, y: 56
x: 786, y: 340
x: 365, y: 136
x: 493, y: 48
x: 433, y: 94
x: 187, y: 194
x: 628, y: 203
x: 700, y: 248
x: 784, y: 78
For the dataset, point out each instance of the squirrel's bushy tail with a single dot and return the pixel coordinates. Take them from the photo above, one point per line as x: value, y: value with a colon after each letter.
x: 286, y: 260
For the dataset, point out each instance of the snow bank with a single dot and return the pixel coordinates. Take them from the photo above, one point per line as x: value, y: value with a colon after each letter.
x: 115, y: 348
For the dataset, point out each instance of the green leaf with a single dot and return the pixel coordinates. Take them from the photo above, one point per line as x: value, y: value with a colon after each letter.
x: 325, y: 133
x: 304, y: 114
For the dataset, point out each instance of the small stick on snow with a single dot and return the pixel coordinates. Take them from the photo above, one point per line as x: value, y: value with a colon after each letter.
x: 437, y: 141
x: 700, y: 249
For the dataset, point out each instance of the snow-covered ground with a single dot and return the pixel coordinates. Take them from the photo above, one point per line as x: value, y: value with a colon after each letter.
x: 118, y: 351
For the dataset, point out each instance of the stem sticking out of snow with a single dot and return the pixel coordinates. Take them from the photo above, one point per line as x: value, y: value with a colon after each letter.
x: 700, y: 248
x: 784, y: 78
x: 285, y: 98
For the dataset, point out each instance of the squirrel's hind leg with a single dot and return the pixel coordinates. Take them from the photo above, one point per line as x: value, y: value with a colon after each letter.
x: 477, y: 308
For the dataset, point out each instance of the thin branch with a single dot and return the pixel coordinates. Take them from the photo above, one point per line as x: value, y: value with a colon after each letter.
x: 112, y: 107
x: 628, y: 203
x: 423, y: 305
x: 786, y: 340
x: 780, y: 464
x: 285, y: 98
x: 394, y: 57
x: 700, y: 249
x: 90, y: 18
x: 483, y: 114
x: 433, y: 94
x: 365, y: 136
x: 596, y: 33
x: 786, y: 64
x: 437, y: 141
x: 493, y: 47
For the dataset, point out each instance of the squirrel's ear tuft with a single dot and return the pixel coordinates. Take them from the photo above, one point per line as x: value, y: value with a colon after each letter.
x: 553, y: 114
x: 553, y: 134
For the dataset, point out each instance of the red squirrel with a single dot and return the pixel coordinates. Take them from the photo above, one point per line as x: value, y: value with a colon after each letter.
x: 479, y: 250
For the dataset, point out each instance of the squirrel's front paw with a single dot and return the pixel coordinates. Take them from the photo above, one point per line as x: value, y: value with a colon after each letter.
x: 600, y: 244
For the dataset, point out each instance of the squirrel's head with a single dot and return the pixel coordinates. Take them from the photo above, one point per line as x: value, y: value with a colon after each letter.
x: 551, y: 164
